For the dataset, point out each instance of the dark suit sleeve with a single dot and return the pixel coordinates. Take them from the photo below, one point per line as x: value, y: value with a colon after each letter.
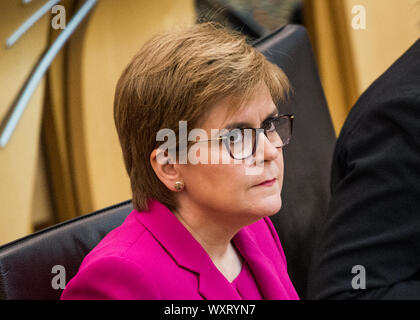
x: 374, y: 214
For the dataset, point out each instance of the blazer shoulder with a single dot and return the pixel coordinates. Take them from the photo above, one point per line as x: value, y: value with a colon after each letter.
x: 113, y: 269
x: 119, y: 240
x: 111, y: 278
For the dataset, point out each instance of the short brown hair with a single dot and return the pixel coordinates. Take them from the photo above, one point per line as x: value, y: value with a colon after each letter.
x: 177, y: 76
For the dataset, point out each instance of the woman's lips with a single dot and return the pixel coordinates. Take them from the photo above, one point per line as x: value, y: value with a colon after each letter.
x: 267, y: 183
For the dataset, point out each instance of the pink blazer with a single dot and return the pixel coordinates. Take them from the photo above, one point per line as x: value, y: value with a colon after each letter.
x: 153, y: 256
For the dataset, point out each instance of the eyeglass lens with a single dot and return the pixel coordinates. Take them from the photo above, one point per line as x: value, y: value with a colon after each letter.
x: 242, y: 143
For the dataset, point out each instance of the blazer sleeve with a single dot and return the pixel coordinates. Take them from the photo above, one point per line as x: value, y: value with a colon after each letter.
x: 373, y: 219
x: 111, y: 278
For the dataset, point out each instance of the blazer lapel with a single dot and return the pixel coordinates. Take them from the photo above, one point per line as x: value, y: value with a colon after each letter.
x: 213, y: 285
x: 186, y: 251
x: 266, y: 274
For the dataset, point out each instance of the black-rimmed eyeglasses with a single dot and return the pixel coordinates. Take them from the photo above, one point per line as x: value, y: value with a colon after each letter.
x: 242, y: 142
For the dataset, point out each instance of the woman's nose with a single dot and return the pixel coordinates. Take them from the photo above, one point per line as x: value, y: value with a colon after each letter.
x: 265, y: 151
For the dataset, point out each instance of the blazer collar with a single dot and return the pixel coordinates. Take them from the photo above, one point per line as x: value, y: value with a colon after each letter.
x: 267, y: 274
x: 188, y: 253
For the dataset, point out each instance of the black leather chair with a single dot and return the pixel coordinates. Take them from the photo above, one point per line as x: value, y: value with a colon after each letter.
x: 26, y: 264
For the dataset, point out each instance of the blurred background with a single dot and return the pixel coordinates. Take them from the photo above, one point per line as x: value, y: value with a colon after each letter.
x: 63, y: 158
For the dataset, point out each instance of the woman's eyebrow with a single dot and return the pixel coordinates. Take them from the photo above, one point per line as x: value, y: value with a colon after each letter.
x: 247, y: 124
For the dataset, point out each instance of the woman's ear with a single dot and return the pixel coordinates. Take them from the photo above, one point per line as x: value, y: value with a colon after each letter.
x: 165, y: 168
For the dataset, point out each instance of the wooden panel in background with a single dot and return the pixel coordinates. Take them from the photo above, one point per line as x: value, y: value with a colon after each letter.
x: 18, y: 160
x: 351, y: 59
x: 329, y: 33
x: 55, y: 133
x: 392, y: 26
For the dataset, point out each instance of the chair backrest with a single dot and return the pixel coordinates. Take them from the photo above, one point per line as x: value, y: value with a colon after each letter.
x: 26, y: 265
x: 307, y: 159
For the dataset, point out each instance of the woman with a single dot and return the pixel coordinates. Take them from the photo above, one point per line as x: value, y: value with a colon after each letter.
x: 200, y: 226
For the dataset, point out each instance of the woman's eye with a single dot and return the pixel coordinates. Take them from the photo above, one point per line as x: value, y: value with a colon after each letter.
x: 270, y: 126
x: 235, y: 136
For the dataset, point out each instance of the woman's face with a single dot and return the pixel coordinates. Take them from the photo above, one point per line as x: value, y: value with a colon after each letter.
x: 233, y: 191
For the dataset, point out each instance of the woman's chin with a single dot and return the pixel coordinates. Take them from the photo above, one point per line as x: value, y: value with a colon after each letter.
x: 268, y: 206
x: 274, y: 205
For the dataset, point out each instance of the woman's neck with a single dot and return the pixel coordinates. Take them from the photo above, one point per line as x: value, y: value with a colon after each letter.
x: 215, y: 233
x: 214, y: 236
